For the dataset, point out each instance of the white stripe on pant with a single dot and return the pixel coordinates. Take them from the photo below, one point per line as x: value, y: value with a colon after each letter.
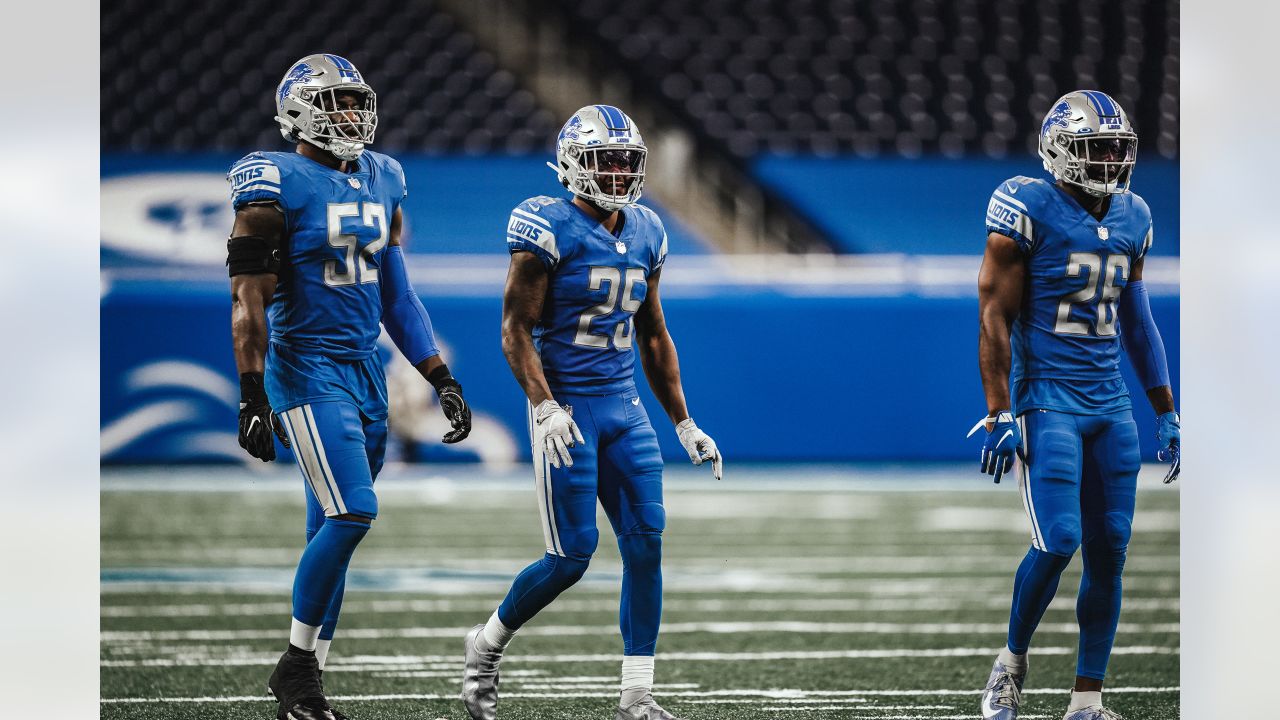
x: 1024, y: 486
x: 542, y: 485
x: 308, y: 449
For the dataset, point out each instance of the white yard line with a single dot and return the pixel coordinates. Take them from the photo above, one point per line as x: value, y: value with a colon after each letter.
x: 809, y: 695
x: 195, y: 657
x: 373, y: 607
x: 405, y: 633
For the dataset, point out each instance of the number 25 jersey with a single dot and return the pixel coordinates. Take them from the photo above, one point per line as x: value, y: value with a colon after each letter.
x: 327, y: 299
x: 596, y: 282
x: 1066, y: 340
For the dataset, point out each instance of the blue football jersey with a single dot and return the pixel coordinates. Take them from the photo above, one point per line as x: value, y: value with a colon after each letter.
x: 597, y: 282
x: 327, y: 299
x: 1066, y: 339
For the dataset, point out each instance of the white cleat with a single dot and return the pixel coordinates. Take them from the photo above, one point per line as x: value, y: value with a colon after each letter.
x: 1093, y: 712
x: 1003, y: 694
x: 480, y: 679
x: 643, y: 709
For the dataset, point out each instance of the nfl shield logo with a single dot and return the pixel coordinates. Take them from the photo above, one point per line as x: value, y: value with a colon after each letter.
x: 1103, y: 233
x: 622, y: 249
x: 353, y: 182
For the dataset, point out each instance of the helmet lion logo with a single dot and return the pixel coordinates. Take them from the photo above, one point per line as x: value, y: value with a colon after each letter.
x: 1058, y: 116
x: 297, y: 73
x: 570, y: 130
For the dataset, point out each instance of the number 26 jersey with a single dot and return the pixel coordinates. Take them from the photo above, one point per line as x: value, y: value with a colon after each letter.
x: 596, y: 283
x: 1066, y: 338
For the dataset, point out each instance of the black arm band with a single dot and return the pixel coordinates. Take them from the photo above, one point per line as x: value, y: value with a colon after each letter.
x: 253, y: 255
x: 441, y: 376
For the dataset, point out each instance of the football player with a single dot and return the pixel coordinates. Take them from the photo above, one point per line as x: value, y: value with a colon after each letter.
x: 1060, y: 292
x: 316, y: 249
x: 581, y: 295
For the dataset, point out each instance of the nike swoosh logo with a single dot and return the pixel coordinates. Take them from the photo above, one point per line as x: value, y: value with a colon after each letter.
x: 989, y: 710
x: 251, y: 422
x: 1007, y: 433
x: 635, y: 401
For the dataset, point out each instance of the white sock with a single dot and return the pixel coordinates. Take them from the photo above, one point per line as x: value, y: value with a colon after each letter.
x: 1013, y: 661
x: 1082, y: 700
x: 322, y: 651
x: 495, y: 636
x: 637, y: 678
x: 302, y: 635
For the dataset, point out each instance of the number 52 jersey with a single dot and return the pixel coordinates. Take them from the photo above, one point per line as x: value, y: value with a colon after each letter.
x: 1066, y: 340
x: 328, y: 298
x: 596, y: 283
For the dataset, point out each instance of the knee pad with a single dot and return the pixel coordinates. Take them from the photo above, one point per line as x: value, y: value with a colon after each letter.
x: 1117, y: 528
x: 565, y: 571
x: 651, y: 518
x: 641, y: 552
x: 1063, y: 537
x: 362, y: 502
x: 580, y: 543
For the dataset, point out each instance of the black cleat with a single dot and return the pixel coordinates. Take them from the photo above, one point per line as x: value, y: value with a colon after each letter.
x: 296, y: 684
x: 334, y: 711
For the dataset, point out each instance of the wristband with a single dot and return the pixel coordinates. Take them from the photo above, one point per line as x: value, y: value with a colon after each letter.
x: 440, y: 377
x: 252, y: 388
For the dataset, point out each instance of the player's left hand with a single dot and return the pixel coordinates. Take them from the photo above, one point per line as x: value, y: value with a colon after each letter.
x: 257, y: 421
x: 700, y: 446
x: 1169, y: 435
x: 1003, y: 441
x: 455, y: 408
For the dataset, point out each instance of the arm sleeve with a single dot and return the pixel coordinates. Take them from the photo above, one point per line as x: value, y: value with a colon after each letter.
x: 403, y: 315
x: 1008, y: 216
x: 1141, y: 337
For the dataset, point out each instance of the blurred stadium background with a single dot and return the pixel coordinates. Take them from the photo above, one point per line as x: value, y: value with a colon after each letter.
x: 823, y: 170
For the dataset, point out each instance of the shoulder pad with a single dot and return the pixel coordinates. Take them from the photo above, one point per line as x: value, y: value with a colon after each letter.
x: 389, y: 165
x: 1012, y: 209
x: 255, y: 177
x: 532, y: 226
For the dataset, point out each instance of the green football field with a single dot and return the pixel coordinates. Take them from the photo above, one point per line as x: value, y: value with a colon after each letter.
x: 790, y: 592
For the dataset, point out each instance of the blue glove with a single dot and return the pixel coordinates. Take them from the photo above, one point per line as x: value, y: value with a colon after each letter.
x: 1169, y: 435
x: 1004, y: 440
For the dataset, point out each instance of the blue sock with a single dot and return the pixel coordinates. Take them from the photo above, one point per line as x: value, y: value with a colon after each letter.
x: 537, y: 585
x: 335, y: 606
x: 1033, y: 589
x: 323, y: 568
x: 640, y: 610
x: 1098, y: 609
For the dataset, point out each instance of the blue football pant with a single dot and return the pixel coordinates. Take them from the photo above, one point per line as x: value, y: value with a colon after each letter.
x: 340, y: 453
x: 1078, y: 486
x: 620, y: 465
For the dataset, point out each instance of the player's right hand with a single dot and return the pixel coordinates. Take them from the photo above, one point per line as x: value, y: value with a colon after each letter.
x: 257, y: 422
x: 1169, y: 435
x: 555, y: 432
x: 1003, y: 441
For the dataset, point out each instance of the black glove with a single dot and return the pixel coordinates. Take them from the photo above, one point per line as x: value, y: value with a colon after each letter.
x: 257, y: 422
x: 452, y: 403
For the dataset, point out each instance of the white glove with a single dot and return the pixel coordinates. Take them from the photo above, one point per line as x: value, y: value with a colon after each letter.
x: 700, y: 446
x: 555, y: 432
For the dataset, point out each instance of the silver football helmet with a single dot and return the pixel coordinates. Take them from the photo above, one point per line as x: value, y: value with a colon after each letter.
x: 600, y: 157
x: 307, y: 106
x: 1086, y: 140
